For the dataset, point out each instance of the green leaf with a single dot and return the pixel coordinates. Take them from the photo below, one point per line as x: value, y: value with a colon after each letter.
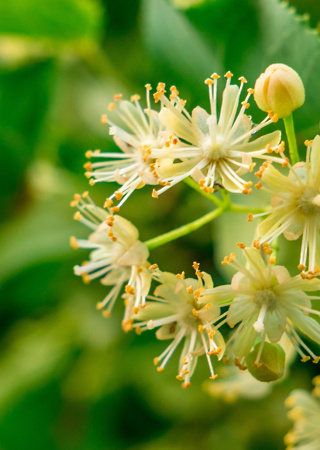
x: 228, y: 26
x: 173, y: 41
x: 62, y: 20
x: 40, y: 234
x: 25, y: 94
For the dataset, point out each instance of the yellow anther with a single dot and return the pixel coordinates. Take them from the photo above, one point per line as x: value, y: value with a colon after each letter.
x: 117, y: 97
x: 180, y: 276
x: 189, y: 289
x: 106, y: 314
x: 135, y: 98
x: 161, y: 86
x: 214, y: 377
x: 77, y: 216
x: 111, y: 106
x: 74, y: 243
x: 305, y: 359
x: 156, y: 361
x: 148, y: 86
x: 104, y: 119
x: 129, y: 289
x: 160, y: 369
x: 153, y: 267
x: 250, y: 91
x: 215, y: 76
x: 258, y: 185
x: 243, y: 80
x: 85, y: 278
x: 127, y: 325
x: 118, y: 195
x: 209, y: 81
x: 272, y: 260
x: 228, y: 74
x: 200, y: 328
x: 256, y: 244
x: 108, y: 203
x: 245, y: 104
x: 250, y: 218
x: 88, y: 154
x: 240, y: 245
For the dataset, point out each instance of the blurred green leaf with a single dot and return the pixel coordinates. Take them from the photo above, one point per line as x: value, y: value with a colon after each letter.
x: 173, y: 41
x: 285, y: 38
x: 41, y: 234
x: 227, y: 26
x: 62, y: 20
x: 25, y: 96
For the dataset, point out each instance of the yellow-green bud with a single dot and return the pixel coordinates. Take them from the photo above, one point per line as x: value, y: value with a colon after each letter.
x: 271, y: 362
x: 280, y: 90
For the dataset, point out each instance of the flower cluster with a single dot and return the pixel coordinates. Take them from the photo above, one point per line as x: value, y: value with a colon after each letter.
x: 305, y: 413
x: 165, y: 146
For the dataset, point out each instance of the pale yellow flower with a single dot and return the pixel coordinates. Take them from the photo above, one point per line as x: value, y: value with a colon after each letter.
x: 137, y: 133
x: 182, y: 316
x: 117, y: 256
x: 305, y: 414
x: 295, y: 206
x: 266, y: 302
x: 217, y: 146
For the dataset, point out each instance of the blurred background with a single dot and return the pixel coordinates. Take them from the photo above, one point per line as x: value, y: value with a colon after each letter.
x: 69, y: 378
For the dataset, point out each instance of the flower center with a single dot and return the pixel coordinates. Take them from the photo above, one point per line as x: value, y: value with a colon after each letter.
x: 309, y: 202
x: 266, y: 297
x: 214, y: 149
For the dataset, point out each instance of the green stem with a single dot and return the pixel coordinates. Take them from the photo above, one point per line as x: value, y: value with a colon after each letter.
x: 184, y: 230
x: 246, y: 209
x: 211, y: 197
x: 293, y: 149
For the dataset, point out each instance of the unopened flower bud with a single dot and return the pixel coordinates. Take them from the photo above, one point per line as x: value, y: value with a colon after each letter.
x: 280, y: 90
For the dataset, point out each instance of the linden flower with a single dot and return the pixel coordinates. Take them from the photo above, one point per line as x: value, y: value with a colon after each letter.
x: 217, y: 147
x: 117, y: 256
x: 181, y: 315
x: 305, y: 413
x: 136, y: 132
x: 266, y: 303
x: 296, y: 206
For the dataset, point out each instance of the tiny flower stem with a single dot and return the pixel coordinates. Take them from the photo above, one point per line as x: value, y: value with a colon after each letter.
x: 226, y: 202
x: 245, y: 209
x: 293, y: 149
x: 184, y: 230
x: 211, y: 197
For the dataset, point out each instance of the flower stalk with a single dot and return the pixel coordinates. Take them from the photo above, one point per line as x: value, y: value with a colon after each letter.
x: 184, y: 229
x: 293, y: 149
